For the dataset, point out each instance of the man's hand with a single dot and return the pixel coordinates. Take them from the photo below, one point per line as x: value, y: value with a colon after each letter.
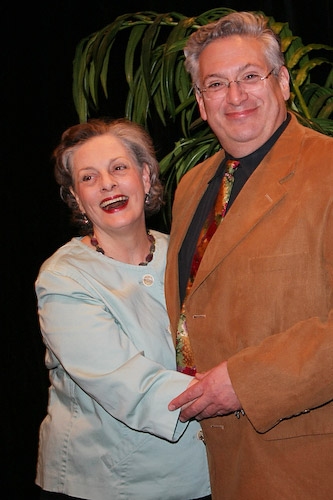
x: 211, y: 396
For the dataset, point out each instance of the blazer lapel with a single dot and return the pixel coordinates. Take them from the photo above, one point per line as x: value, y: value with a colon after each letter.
x: 267, y: 186
x: 196, y: 183
x: 189, y: 202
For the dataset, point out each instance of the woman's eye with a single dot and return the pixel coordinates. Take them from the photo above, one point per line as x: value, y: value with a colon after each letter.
x: 86, y: 178
x: 119, y: 169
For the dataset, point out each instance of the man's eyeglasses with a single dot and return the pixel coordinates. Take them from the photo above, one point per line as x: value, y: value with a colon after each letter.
x: 218, y: 88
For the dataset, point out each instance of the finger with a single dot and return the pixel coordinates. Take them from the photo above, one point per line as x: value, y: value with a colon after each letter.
x: 188, y: 396
x: 193, y: 409
x: 177, y: 402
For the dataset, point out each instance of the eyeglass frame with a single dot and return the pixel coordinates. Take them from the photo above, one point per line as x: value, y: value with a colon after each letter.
x: 229, y: 82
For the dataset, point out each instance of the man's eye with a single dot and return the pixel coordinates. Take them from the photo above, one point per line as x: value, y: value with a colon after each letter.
x: 216, y: 85
x: 251, y: 77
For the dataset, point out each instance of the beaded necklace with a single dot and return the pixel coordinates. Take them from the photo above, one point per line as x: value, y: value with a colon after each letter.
x: 149, y: 257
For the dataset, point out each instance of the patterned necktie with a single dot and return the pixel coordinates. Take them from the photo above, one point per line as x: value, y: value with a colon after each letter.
x: 184, y: 355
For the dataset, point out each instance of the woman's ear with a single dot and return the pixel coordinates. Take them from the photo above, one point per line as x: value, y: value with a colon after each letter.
x: 146, y: 177
x: 77, y: 199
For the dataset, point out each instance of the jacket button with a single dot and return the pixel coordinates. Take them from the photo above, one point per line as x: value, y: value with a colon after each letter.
x: 148, y: 280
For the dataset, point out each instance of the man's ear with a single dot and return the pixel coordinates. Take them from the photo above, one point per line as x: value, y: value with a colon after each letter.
x: 201, y: 105
x: 284, y: 82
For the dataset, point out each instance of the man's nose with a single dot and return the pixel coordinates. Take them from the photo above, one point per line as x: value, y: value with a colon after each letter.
x: 235, y: 92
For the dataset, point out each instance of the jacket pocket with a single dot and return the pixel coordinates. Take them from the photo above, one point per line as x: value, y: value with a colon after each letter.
x: 313, y: 422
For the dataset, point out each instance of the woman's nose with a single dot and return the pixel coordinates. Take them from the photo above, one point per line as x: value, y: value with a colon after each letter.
x: 108, y: 183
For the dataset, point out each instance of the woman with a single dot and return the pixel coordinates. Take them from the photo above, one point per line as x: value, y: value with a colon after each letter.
x: 108, y: 433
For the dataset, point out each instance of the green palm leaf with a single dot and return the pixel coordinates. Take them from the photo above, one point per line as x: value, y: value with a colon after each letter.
x: 159, y: 92
x: 133, y: 42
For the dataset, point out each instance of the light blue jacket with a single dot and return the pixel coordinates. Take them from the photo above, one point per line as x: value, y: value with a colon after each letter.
x: 108, y: 433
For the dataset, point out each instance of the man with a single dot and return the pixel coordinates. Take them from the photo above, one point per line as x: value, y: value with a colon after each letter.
x: 259, y: 310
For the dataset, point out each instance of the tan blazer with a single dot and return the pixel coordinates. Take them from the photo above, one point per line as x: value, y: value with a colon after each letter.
x: 263, y: 299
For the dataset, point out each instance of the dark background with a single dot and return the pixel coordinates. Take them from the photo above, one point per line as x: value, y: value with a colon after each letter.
x: 37, y: 48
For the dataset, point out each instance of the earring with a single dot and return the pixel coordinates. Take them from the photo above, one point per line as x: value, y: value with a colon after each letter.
x: 147, y: 198
x: 85, y: 219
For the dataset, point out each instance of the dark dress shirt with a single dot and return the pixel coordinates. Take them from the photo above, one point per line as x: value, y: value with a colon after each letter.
x: 247, y: 166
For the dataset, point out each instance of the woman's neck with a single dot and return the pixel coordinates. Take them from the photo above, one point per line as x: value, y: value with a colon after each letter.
x: 138, y: 250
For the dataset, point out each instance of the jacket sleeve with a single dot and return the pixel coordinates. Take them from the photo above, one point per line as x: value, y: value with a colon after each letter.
x: 89, y: 344
x: 290, y: 373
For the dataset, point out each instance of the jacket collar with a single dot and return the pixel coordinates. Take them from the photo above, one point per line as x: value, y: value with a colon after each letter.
x: 266, y: 188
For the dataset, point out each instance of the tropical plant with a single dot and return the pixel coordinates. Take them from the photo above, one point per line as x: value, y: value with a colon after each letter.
x: 159, y: 95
